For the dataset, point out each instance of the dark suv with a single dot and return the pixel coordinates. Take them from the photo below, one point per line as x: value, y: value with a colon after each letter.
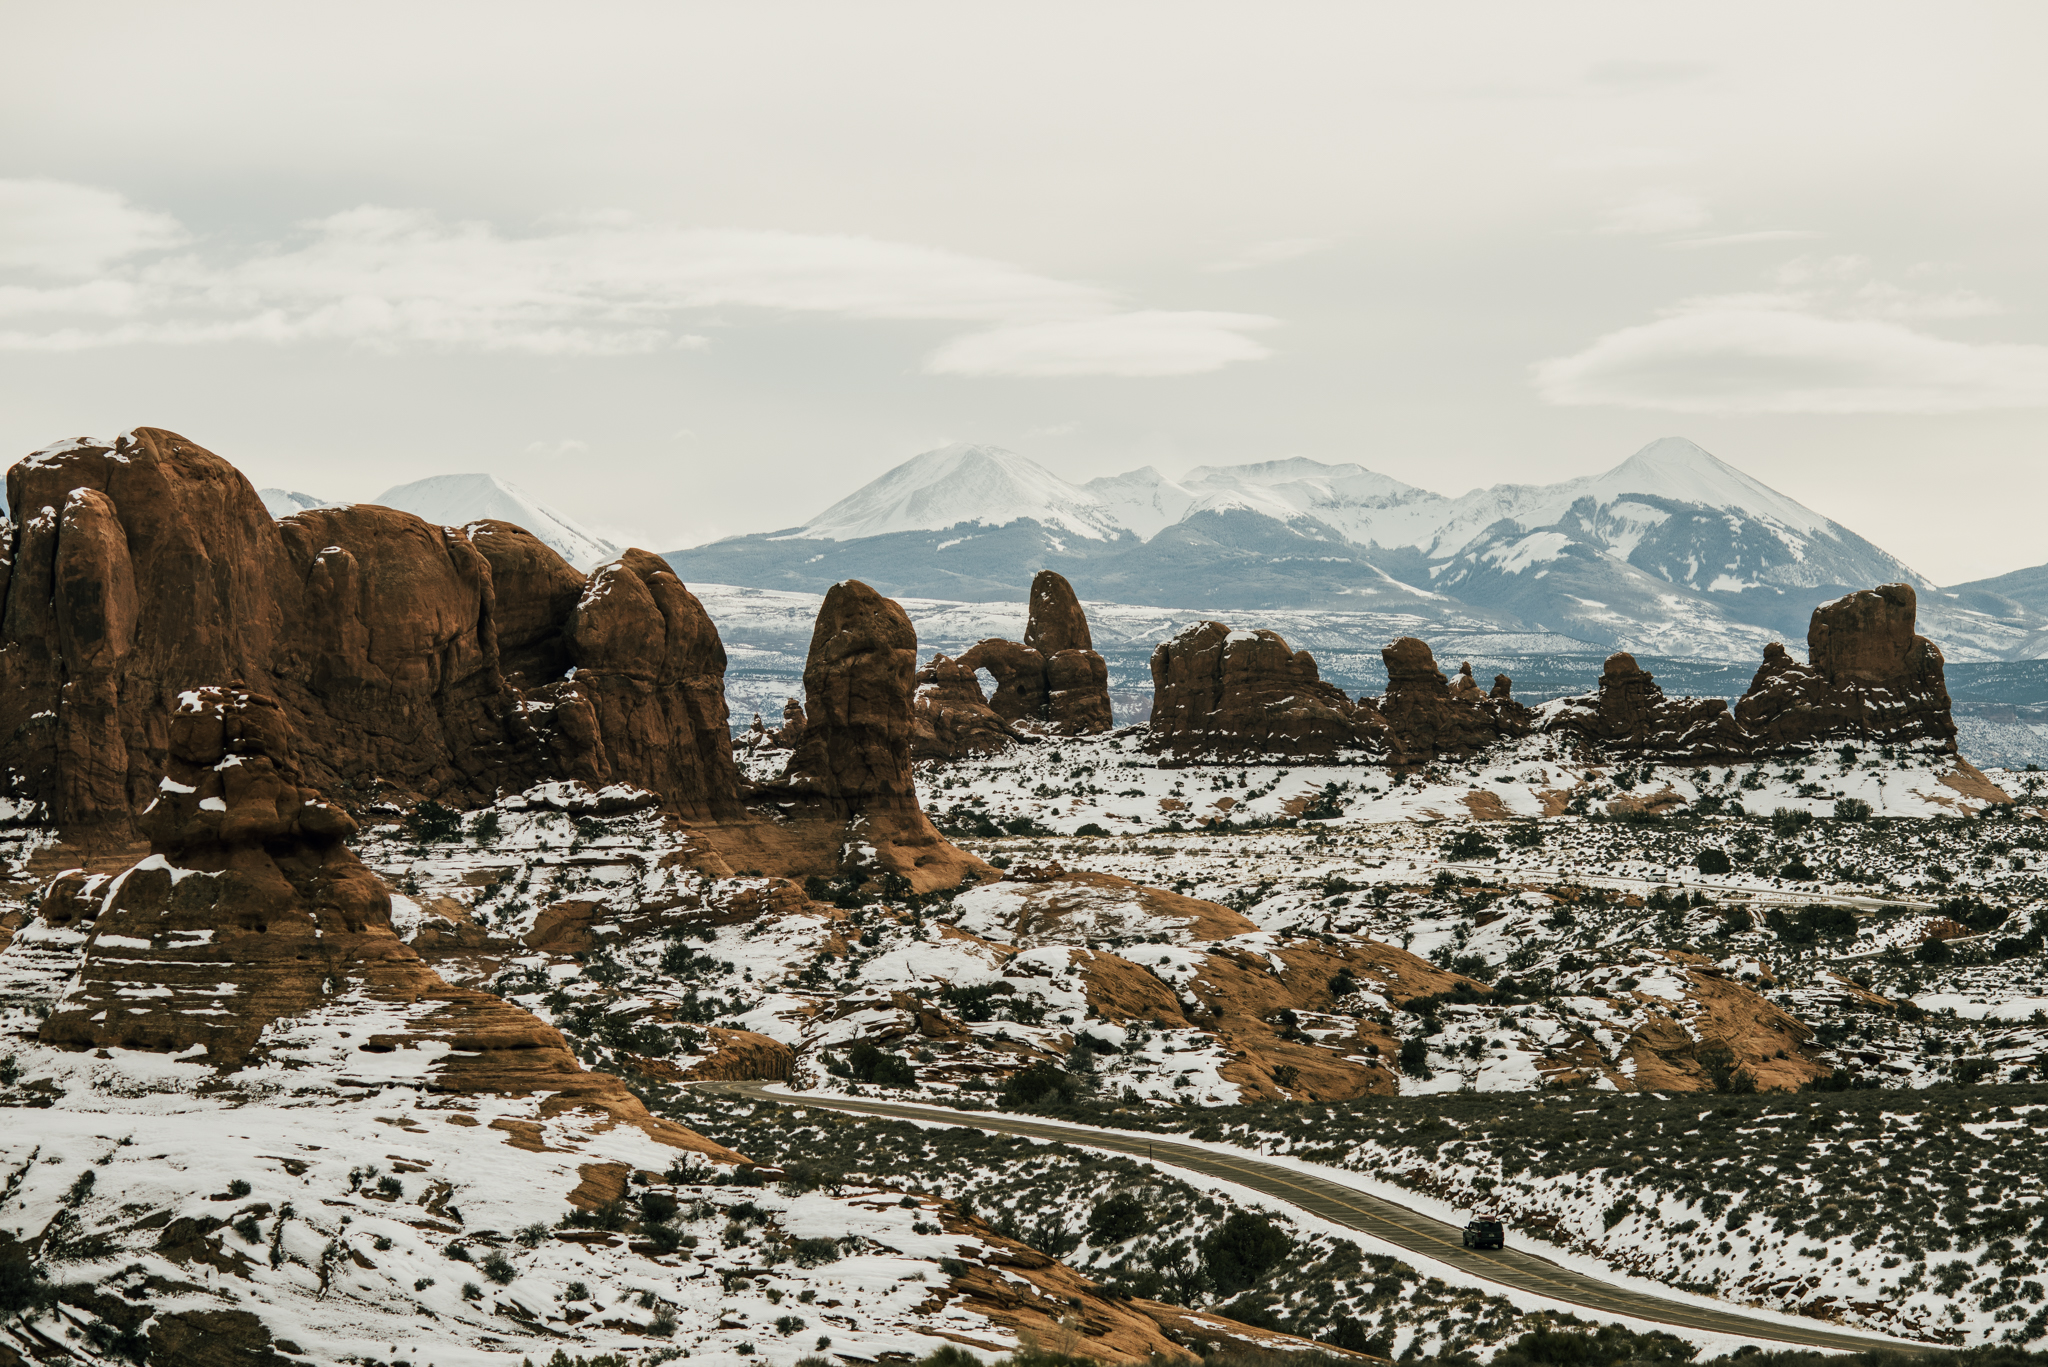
x: 1484, y: 1233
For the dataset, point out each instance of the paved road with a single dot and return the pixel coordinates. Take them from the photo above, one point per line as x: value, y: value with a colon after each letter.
x: 1342, y: 1205
x: 1861, y: 901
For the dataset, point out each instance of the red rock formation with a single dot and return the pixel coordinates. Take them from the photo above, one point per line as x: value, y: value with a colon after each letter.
x: 1019, y: 672
x: 1631, y: 716
x: 1236, y: 694
x: 431, y: 661
x: 1871, y: 678
x: 251, y: 910
x: 952, y: 720
x: 848, y: 796
x: 1076, y: 678
x: 1055, y: 680
x: 1426, y: 719
x: 650, y: 667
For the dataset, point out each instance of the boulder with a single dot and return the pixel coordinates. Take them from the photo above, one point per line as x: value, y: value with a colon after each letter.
x: 1055, y: 681
x: 1631, y: 717
x: 1221, y: 693
x: 1426, y: 718
x: 1870, y: 678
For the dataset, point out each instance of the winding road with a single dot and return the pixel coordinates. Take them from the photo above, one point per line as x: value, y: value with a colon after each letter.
x: 1341, y: 1205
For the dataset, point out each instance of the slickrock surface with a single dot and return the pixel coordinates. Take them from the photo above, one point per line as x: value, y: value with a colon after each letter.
x: 1630, y: 715
x: 1055, y: 680
x: 1870, y: 677
x: 1225, y: 693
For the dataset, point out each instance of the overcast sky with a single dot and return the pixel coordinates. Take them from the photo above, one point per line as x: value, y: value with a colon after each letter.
x: 686, y: 271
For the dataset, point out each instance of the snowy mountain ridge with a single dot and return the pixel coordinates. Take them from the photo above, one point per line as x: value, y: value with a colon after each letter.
x: 457, y: 500
x: 1672, y: 551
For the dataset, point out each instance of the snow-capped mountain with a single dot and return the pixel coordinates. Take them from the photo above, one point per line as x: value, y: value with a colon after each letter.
x: 962, y: 485
x: 284, y: 502
x: 1673, y: 551
x: 457, y: 500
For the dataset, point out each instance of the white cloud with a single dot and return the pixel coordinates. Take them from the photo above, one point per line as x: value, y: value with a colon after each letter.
x: 1131, y: 344
x: 54, y: 228
x: 601, y: 284
x: 1743, y: 239
x: 1270, y: 253
x: 1747, y: 358
x: 1662, y: 213
x: 1828, y: 339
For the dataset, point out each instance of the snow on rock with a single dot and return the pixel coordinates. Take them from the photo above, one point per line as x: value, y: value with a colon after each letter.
x: 458, y: 500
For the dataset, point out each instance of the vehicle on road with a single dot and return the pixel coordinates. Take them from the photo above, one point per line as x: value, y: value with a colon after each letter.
x: 1485, y: 1231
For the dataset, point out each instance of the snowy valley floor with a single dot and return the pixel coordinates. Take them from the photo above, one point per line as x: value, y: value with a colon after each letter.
x: 1593, y: 1079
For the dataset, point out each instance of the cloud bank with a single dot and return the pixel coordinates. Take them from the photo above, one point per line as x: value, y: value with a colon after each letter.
x: 1843, y: 345
x: 94, y: 271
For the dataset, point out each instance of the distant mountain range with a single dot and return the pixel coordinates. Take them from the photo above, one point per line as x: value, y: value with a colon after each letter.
x: 457, y: 500
x: 1673, y: 552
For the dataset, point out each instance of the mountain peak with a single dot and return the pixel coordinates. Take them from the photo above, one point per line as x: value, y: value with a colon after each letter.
x: 457, y: 500
x: 1678, y: 469
x: 963, y: 482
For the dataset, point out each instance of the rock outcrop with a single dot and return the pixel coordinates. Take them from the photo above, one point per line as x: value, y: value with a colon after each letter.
x: 452, y: 663
x: 1235, y: 694
x: 1427, y: 718
x: 1631, y: 717
x: 952, y: 720
x: 1055, y: 681
x: 849, y: 796
x: 251, y: 913
x: 1870, y: 678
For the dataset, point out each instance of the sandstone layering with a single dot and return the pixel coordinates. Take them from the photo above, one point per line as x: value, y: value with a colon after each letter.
x: 251, y: 909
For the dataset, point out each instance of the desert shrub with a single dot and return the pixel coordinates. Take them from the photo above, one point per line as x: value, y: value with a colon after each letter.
x: 498, y: 1268
x: 1242, y: 1250
x: 1470, y: 845
x: 1787, y: 822
x: 1117, y: 1219
x: 430, y: 823
x: 1041, y: 1085
x: 1712, y: 863
x: 1934, y: 952
x: 1415, y: 1056
x: 1608, y: 1346
x: 883, y: 1069
x: 812, y: 1252
x: 1091, y: 828
x: 1524, y: 835
x: 1852, y: 809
